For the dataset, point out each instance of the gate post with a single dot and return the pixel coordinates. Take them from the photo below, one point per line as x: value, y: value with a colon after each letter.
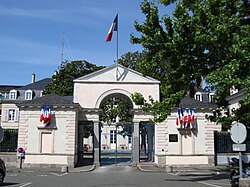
x: 96, y: 144
x: 215, y: 147
x: 136, y: 147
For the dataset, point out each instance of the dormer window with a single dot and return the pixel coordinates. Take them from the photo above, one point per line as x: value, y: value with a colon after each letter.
x: 198, y: 97
x: 28, y: 95
x: 211, y: 97
x: 13, y: 95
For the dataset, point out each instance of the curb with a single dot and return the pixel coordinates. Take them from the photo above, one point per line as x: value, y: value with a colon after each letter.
x: 83, y: 170
x: 179, y: 169
x: 151, y: 171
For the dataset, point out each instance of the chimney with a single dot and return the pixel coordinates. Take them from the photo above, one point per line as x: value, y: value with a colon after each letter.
x: 33, y: 78
x: 55, y: 72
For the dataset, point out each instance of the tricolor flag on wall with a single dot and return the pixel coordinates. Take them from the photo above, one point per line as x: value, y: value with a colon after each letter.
x: 45, y: 116
x: 114, y: 27
x: 179, y: 117
x: 185, y: 119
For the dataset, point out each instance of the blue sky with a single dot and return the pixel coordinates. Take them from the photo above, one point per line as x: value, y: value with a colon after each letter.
x: 31, y: 34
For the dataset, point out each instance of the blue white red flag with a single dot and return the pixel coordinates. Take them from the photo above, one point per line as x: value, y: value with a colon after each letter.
x: 185, y: 119
x: 114, y: 27
x: 45, y: 116
x: 177, y: 117
x: 192, y: 115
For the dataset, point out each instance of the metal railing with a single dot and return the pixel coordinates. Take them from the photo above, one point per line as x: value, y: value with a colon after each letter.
x: 9, y: 143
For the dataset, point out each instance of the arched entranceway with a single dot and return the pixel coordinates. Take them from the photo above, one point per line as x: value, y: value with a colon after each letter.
x: 116, y: 129
x: 92, y: 90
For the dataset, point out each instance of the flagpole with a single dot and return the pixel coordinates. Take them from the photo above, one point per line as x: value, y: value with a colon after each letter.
x: 117, y: 50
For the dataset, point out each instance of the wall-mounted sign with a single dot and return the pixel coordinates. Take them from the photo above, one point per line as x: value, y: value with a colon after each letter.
x: 173, y: 138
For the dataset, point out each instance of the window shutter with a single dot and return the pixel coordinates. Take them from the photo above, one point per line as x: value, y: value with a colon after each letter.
x: 6, y: 115
x: 16, y: 117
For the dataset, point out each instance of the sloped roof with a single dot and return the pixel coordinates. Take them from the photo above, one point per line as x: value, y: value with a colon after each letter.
x: 7, y: 88
x: 50, y: 99
x: 188, y: 102
x: 39, y: 85
x: 125, y: 75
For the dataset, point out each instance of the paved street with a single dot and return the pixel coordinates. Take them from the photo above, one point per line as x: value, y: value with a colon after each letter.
x: 122, y: 176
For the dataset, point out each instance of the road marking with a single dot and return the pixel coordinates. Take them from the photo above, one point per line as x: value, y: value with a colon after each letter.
x: 26, y: 184
x: 44, y: 175
x: 174, y: 173
x: 12, y: 175
x: 222, y: 184
x: 208, y: 184
x: 29, y: 171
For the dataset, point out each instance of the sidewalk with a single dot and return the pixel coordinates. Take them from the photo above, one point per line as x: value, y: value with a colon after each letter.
x: 63, y: 169
x: 152, y: 167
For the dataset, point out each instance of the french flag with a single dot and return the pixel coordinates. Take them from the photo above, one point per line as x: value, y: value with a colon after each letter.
x: 192, y: 115
x: 177, y: 117
x: 114, y: 27
x: 181, y: 116
x: 185, y: 119
x: 45, y: 116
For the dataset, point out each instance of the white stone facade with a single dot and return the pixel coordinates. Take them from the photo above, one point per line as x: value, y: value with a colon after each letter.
x: 192, y: 146
x: 58, y: 143
x: 53, y: 145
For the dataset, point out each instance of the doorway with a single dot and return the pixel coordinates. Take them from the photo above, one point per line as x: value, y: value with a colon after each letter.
x: 116, y: 141
x: 147, y: 142
x: 85, y: 150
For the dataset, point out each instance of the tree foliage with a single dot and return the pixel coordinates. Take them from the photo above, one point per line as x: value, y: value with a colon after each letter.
x: 117, y: 107
x: 132, y: 60
x: 201, y: 39
x: 62, y: 83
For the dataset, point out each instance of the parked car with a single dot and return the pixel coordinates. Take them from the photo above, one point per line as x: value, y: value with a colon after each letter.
x: 2, y: 171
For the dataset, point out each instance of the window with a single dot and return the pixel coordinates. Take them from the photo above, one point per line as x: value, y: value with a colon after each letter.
x: 11, y: 115
x: 112, y: 136
x: 28, y: 95
x: 13, y: 95
x: 197, y: 97
x: 211, y: 97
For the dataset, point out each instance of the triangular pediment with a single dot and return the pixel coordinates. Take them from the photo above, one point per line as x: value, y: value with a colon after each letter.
x: 117, y: 73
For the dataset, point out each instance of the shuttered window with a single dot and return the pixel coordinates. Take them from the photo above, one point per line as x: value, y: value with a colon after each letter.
x: 11, y: 115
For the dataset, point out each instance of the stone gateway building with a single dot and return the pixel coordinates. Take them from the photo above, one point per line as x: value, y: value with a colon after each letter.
x: 62, y: 142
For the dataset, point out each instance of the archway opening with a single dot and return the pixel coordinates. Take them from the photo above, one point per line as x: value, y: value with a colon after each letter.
x: 116, y: 130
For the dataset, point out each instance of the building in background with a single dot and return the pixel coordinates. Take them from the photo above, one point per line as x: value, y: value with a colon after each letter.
x: 17, y: 94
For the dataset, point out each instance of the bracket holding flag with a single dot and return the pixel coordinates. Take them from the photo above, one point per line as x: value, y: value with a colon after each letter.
x: 186, y: 119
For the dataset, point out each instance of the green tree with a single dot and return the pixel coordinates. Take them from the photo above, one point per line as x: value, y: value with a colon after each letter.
x: 208, y: 39
x: 117, y: 107
x: 62, y: 83
x: 132, y: 60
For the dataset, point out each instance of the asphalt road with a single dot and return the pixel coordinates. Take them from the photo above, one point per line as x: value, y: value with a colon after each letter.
x: 121, y: 176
